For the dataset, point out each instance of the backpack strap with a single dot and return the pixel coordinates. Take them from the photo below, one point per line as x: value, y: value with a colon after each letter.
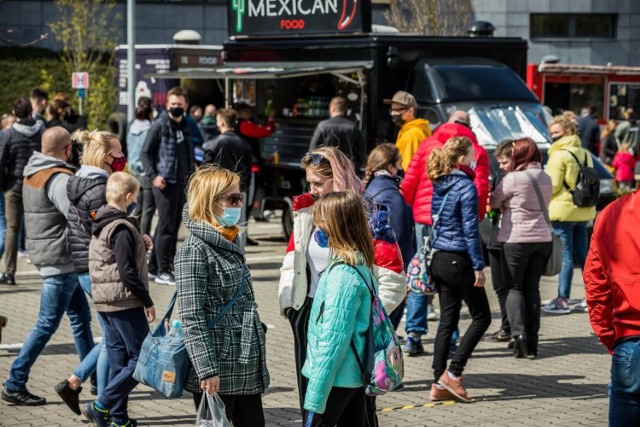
x: 543, y: 205
x: 580, y: 165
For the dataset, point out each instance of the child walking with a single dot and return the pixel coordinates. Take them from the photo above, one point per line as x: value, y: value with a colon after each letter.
x: 625, y: 164
x: 118, y: 269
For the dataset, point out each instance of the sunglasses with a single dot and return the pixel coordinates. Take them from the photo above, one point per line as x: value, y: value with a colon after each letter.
x: 314, y: 158
x: 233, y: 199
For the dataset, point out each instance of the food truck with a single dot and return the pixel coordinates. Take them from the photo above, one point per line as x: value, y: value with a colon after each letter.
x: 288, y: 60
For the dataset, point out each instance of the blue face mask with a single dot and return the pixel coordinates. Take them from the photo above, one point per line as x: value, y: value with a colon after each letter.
x: 230, y: 217
x: 131, y: 208
x: 321, y: 238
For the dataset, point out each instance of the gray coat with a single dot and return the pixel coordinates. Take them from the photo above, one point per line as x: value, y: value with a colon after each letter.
x: 208, y: 275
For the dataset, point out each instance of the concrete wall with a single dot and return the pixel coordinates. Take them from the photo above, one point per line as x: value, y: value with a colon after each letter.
x: 511, y: 18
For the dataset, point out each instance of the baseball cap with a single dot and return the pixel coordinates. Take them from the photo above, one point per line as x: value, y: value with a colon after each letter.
x: 403, y: 98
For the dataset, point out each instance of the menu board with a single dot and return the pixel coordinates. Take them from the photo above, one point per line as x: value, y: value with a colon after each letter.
x: 623, y: 96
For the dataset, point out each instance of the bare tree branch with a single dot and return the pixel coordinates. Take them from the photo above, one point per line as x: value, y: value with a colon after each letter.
x: 31, y: 43
x: 430, y: 17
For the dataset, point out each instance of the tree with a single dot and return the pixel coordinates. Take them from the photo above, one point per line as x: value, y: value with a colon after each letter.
x: 87, y: 30
x: 430, y: 17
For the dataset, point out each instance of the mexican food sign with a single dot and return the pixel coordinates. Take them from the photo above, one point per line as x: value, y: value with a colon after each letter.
x: 284, y: 17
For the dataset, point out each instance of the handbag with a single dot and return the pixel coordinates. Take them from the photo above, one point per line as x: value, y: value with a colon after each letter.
x: 163, y: 363
x: 554, y: 262
x: 418, y: 271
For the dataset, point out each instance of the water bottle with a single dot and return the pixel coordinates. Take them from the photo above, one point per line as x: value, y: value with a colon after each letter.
x: 175, y: 328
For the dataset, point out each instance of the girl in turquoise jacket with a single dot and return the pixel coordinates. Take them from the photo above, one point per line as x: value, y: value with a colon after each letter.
x: 340, y: 316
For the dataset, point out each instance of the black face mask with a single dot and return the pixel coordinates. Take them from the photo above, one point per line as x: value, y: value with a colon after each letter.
x: 400, y: 173
x: 176, y: 112
x: 397, y: 119
x: 76, y: 152
x: 555, y: 138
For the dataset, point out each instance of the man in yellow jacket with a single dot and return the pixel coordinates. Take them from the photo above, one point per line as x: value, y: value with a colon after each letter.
x: 412, y: 130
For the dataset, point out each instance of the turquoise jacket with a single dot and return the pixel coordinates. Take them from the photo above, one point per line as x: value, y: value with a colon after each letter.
x: 341, y: 311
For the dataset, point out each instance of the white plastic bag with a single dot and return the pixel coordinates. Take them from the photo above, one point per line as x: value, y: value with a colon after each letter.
x: 211, y: 412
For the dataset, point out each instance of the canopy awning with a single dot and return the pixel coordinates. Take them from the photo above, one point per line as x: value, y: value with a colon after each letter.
x: 551, y: 68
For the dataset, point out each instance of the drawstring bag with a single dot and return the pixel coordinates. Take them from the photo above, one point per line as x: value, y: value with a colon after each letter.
x: 419, y: 278
x: 211, y: 412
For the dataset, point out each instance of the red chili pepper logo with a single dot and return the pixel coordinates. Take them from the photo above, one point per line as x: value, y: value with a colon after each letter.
x: 345, y: 20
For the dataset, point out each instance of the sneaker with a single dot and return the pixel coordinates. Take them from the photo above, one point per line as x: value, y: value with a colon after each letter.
x: 166, y: 279
x: 8, y: 279
x: 69, y: 396
x: 99, y: 417
x: 432, y: 314
x: 23, y: 254
x: 455, y: 386
x: 22, y: 398
x: 413, y: 346
x: 499, y: 335
x: 3, y: 323
x: 130, y: 423
x: 557, y: 306
x: 581, y: 306
x: 440, y: 393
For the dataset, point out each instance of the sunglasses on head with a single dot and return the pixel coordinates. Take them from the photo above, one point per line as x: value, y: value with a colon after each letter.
x: 314, y: 158
x: 233, y: 199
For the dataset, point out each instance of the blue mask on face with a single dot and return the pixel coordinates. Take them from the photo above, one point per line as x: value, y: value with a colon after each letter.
x: 321, y: 238
x: 230, y: 217
x: 131, y: 208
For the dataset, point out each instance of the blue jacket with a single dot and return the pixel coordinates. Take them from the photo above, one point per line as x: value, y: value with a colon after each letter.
x: 341, y: 312
x: 457, y: 229
x: 136, y: 136
x: 384, y: 190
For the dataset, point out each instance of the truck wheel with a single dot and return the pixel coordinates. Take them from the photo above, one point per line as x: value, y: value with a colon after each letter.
x: 287, y: 222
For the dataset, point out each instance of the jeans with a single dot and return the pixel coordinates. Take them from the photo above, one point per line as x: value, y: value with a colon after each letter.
x: 14, y: 211
x: 97, y: 360
x: 417, y: 304
x: 169, y: 203
x: 624, y: 388
x: 454, y: 277
x: 3, y: 224
x: 125, y: 331
x: 574, y: 241
x: 524, y: 264
x: 60, y: 293
x: 146, y: 204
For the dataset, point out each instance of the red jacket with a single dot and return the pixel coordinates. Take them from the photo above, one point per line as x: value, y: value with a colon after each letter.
x: 612, y: 270
x: 416, y: 186
x: 625, y: 164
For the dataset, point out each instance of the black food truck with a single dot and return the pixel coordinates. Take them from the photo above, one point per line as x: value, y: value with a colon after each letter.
x: 290, y: 62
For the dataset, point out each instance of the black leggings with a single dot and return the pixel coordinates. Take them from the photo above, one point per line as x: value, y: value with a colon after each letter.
x: 346, y: 407
x: 454, y: 277
x: 299, y: 320
x: 242, y: 411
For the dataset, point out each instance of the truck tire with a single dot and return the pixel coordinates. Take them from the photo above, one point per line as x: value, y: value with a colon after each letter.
x: 287, y: 222
x: 117, y: 124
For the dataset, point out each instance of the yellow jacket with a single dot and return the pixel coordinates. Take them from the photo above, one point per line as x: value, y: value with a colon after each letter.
x: 562, y: 167
x: 410, y: 136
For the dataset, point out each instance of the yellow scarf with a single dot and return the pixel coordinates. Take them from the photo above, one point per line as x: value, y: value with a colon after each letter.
x: 229, y: 233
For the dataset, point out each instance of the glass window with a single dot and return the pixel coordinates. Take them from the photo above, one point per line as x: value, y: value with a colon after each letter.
x: 581, y: 25
x: 549, y: 25
x: 596, y: 25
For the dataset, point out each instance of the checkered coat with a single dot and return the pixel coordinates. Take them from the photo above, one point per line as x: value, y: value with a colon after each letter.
x: 208, y: 275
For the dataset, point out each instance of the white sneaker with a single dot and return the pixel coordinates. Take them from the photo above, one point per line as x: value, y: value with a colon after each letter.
x: 432, y: 314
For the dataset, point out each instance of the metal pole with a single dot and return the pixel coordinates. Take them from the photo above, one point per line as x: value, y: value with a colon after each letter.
x: 131, y: 59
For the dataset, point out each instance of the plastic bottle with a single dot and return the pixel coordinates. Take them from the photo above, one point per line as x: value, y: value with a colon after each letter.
x: 175, y: 328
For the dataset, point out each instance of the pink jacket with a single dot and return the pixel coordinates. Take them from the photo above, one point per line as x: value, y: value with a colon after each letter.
x: 522, y: 218
x: 625, y: 164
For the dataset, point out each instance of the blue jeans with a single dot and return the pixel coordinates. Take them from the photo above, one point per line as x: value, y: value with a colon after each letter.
x: 574, y: 241
x: 60, y: 294
x: 125, y: 331
x: 417, y: 304
x: 3, y: 224
x: 97, y: 360
x: 624, y: 388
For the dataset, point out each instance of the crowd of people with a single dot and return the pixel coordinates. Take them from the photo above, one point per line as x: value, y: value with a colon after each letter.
x: 80, y: 196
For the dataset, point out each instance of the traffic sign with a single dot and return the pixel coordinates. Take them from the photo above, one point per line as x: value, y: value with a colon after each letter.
x: 80, y: 80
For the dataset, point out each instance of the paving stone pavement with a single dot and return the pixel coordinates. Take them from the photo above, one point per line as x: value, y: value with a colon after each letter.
x: 565, y: 386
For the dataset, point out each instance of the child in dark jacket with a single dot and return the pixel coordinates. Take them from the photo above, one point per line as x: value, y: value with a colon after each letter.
x: 118, y: 269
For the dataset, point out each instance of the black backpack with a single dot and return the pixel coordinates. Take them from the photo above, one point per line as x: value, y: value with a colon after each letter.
x: 585, y: 194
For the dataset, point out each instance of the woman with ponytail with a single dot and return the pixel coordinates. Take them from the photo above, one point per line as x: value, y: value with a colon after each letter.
x: 457, y: 265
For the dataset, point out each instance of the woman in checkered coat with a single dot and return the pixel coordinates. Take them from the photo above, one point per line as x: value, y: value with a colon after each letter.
x: 228, y: 359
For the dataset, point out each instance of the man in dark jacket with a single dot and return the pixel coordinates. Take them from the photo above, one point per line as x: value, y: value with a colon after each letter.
x: 231, y: 152
x: 16, y: 147
x: 339, y: 131
x: 46, y: 208
x: 589, y: 129
x: 167, y: 157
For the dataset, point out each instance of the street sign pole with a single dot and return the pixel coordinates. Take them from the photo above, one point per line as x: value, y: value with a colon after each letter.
x: 131, y: 58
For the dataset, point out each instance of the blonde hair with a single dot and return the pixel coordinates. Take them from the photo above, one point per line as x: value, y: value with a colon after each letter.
x: 342, y: 215
x: 624, y: 147
x: 380, y: 158
x: 96, y: 146
x: 609, y: 129
x: 334, y: 165
x: 568, y: 121
x: 205, y: 187
x: 119, y: 185
x: 443, y: 160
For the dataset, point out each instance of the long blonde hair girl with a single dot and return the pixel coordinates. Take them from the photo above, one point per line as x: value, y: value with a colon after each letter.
x: 96, y: 146
x: 204, y: 189
x: 443, y: 160
x: 342, y: 215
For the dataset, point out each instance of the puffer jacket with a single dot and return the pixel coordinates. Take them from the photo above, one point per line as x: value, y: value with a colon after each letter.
x: 209, y: 272
x: 340, y: 313
x: 457, y: 229
x: 523, y: 220
x: 417, y: 188
x: 625, y: 165
x: 562, y: 167
x: 410, y: 136
x: 388, y: 268
x: 383, y: 189
x: 16, y: 147
x: 86, y: 192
